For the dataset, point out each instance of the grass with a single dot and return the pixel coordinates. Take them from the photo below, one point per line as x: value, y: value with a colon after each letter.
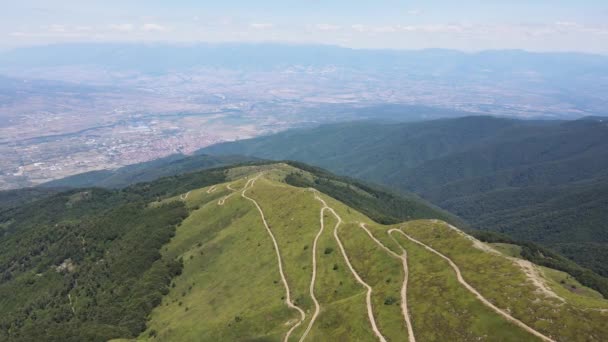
x: 442, y: 309
x: 383, y: 273
x: 213, y: 299
x: 504, y: 284
x: 508, y: 249
x: 230, y: 287
x: 341, y: 297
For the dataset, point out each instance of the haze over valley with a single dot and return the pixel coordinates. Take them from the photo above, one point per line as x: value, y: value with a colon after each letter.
x: 74, y: 108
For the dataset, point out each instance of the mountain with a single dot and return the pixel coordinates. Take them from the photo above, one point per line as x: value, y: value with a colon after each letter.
x: 544, y: 181
x: 271, y: 251
x: 162, y: 57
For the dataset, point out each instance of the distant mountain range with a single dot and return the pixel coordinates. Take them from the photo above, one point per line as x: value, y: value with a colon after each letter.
x: 545, y: 181
x: 512, y: 82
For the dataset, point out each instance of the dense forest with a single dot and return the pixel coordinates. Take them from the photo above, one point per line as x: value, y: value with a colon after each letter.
x: 147, y: 171
x: 85, y: 265
x: 379, y: 204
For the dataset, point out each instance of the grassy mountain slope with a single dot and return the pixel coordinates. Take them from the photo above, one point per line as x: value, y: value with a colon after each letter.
x: 540, y: 181
x: 231, y: 286
x: 68, y: 269
x: 193, y: 257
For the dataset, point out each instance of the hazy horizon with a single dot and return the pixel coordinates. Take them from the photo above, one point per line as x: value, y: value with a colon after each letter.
x: 547, y: 26
x: 161, y: 43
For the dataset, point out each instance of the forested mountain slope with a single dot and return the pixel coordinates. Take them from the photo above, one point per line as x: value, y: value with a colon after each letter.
x: 86, y: 264
x: 147, y: 171
x: 543, y: 181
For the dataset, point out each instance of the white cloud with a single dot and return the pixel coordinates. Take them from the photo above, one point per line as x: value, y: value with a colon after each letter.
x: 360, y: 28
x: 56, y: 28
x: 261, y: 26
x: 122, y: 27
x: 83, y: 28
x: 327, y: 27
x: 153, y: 28
x: 386, y: 29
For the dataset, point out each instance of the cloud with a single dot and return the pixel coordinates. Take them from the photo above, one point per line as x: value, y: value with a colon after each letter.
x: 360, y: 28
x: 57, y: 28
x: 327, y: 27
x: 122, y: 27
x: 154, y: 28
x: 386, y: 29
x: 415, y: 12
x: 83, y: 28
x: 261, y: 26
x: 375, y: 29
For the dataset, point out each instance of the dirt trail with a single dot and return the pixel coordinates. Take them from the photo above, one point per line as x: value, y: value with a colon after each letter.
x: 250, y: 184
x: 71, y: 304
x: 476, y: 293
x: 535, y: 276
x: 531, y: 271
x: 368, y: 297
x: 314, y: 277
x: 222, y: 200
x: 404, y: 307
x: 183, y: 197
x: 403, y: 259
x: 211, y: 189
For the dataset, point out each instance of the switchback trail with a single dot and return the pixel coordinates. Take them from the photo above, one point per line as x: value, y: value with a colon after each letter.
x: 222, y: 200
x: 183, y: 197
x: 368, y: 297
x: 211, y: 189
x: 314, y: 277
x: 475, y: 292
x: 251, y: 183
x: 403, y: 259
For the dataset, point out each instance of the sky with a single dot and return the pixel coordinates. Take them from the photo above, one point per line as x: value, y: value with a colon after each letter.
x: 535, y: 25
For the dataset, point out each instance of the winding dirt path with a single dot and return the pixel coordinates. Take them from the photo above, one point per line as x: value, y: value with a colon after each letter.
x: 314, y: 277
x: 368, y: 297
x: 183, y: 197
x: 288, y: 301
x: 531, y: 271
x: 476, y: 293
x: 222, y: 200
x: 403, y: 259
x: 211, y: 189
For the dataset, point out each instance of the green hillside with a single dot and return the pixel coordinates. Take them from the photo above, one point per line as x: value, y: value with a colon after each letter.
x: 266, y: 252
x: 232, y: 287
x: 544, y: 181
x: 68, y: 269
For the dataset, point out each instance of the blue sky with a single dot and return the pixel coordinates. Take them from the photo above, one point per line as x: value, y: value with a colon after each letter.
x: 538, y: 25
